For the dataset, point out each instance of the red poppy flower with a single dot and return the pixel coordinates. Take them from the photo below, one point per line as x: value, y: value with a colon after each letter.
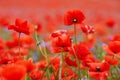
x: 55, y: 63
x: 5, y: 57
x: 111, y: 60
x: 4, y: 21
x: 114, y: 46
x: 81, y: 51
x: 2, y: 45
x: 116, y: 38
x: 39, y: 28
x: 100, y: 31
x: 73, y: 17
x: 15, y: 52
x: 110, y: 22
x: 41, y: 64
x: 28, y: 42
x: 88, y: 59
x: 68, y: 74
x: 60, y: 41
x: 99, y: 71
x: 22, y: 27
x: 87, y: 29
x: 14, y: 72
x: 69, y: 61
x: 27, y: 63
x: 36, y: 74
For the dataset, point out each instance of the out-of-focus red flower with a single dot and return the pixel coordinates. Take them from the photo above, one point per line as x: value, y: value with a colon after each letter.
x: 100, y: 31
x: 22, y: 27
x: 88, y: 59
x: 4, y: 21
x: 110, y: 22
x: 69, y: 61
x: 15, y: 52
x: 114, y: 46
x: 99, y: 71
x: 4, y: 57
x: 14, y: 72
x: 36, y: 74
x: 28, y: 64
x: 28, y: 42
x: 111, y: 60
x: 41, y: 64
x: 60, y: 41
x: 116, y: 38
x: 80, y: 50
x: 2, y: 45
x: 12, y: 44
x: 1, y: 71
x: 39, y: 28
x: 68, y: 74
x: 87, y: 29
x: 55, y: 63
x: 73, y: 17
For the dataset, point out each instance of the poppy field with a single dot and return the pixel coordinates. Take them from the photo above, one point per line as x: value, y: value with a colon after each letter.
x: 59, y: 40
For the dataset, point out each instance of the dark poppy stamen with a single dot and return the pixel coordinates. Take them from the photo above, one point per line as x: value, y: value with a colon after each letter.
x: 75, y: 20
x: 98, y: 69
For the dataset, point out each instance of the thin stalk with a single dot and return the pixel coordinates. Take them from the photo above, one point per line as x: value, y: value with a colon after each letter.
x: 75, y: 34
x: 46, y: 54
x: 19, y: 44
x: 60, y: 69
x: 116, y: 69
x: 38, y: 42
x: 47, y: 60
x: 43, y: 52
x: 75, y: 39
x: 49, y: 65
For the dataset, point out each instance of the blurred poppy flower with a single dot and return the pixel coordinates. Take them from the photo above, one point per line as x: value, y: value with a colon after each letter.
x: 73, y: 17
x: 110, y: 22
x: 36, y: 74
x: 69, y: 61
x: 88, y: 59
x: 14, y: 72
x: 60, y: 41
x: 15, y: 52
x: 87, y: 29
x: 27, y: 63
x: 114, y: 46
x: 55, y: 63
x: 81, y: 51
x: 99, y: 71
x: 41, y: 64
x: 22, y: 27
x: 111, y: 60
x: 13, y: 43
x: 116, y: 38
x: 4, y: 21
x: 68, y: 74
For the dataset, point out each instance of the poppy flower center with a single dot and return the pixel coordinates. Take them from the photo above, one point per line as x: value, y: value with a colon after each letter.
x: 75, y: 20
x: 98, y: 69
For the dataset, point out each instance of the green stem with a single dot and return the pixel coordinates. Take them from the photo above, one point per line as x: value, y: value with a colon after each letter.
x: 19, y: 44
x: 60, y: 69
x: 43, y: 52
x: 75, y: 38
x: 75, y: 34
x: 49, y: 65
x: 38, y: 42
x: 47, y: 60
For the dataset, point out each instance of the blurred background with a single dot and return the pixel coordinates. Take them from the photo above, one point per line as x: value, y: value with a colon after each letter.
x: 40, y: 7
x: 94, y: 10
